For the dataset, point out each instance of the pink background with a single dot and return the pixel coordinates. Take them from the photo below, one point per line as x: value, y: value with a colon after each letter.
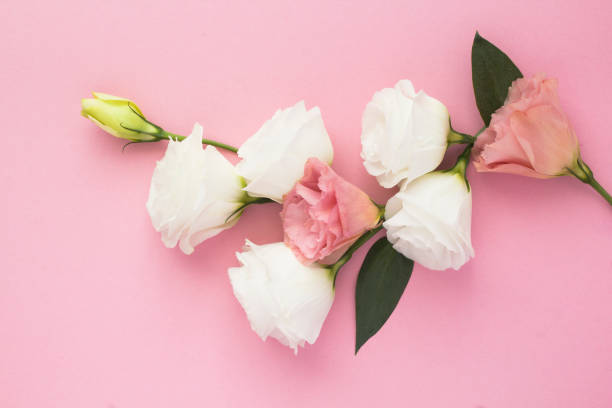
x: 96, y: 312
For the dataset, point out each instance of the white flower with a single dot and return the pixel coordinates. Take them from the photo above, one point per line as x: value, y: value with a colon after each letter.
x: 273, y: 159
x: 282, y: 297
x: 193, y: 192
x: 404, y: 134
x: 429, y: 220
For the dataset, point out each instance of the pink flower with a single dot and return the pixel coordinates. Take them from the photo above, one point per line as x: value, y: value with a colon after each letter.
x: 530, y: 135
x: 324, y: 214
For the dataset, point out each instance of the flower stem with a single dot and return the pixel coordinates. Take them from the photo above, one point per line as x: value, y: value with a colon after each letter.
x: 582, y: 172
x: 598, y: 187
x: 174, y: 136
x: 459, y: 138
x: 482, y: 129
x: 462, y: 138
x: 249, y: 201
x: 460, y: 166
x: 462, y: 161
x: 334, y: 268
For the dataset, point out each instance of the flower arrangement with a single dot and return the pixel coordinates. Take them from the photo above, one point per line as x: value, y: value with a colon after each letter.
x: 287, y: 288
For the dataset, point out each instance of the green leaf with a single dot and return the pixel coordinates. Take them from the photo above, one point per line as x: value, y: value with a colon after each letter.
x: 492, y: 74
x: 381, y: 282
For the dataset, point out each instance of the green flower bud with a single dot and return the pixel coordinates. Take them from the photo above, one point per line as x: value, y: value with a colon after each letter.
x: 120, y: 117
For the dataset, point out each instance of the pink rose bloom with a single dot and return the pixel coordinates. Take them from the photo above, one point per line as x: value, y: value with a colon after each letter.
x: 324, y: 214
x: 530, y: 135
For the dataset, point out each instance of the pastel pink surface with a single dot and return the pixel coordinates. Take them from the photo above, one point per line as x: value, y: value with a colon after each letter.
x: 95, y: 312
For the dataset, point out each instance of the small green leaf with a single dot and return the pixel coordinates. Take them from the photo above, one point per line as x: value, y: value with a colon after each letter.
x: 381, y: 282
x: 492, y: 74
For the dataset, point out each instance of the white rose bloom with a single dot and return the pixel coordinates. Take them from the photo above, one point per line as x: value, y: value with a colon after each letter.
x: 429, y: 220
x: 404, y: 134
x: 273, y: 158
x: 282, y: 297
x: 193, y: 192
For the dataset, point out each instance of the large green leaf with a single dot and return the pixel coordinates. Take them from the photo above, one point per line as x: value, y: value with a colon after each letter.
x: 492, y: 75
x: 381, y: 282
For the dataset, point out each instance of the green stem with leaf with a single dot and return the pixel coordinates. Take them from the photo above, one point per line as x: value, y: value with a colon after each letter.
x: 334, y: 268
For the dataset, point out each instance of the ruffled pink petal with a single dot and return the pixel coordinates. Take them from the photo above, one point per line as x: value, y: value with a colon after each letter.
x: 324, y: 212
x: 508, y: 168
x: 546, y: 138
x: 357, y: 212
x: 530, y: 135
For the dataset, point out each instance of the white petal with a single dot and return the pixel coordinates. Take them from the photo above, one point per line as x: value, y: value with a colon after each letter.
x: 193, y: 192
x: 282, y: 298
x: 404, y: 134
x: 273, y: 158
x: 429, y: 220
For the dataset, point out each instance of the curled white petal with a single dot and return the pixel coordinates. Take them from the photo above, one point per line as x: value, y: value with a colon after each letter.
x: 404, y: 134
x: 282, y: 298
x: 429, y: 221
x: 273, y: 159
x: 193, y: 192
